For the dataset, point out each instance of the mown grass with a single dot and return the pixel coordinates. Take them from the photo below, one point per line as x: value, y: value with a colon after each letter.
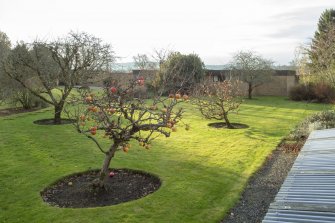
x: 203, y: 170
x: 6, y: 106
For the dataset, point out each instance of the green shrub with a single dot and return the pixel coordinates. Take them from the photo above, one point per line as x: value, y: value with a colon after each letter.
x: 318, y: 121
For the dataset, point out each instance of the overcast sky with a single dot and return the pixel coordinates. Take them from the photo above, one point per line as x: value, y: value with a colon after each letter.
x: 214, y: 29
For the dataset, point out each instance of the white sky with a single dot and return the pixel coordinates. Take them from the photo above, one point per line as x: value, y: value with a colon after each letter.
x: 214, y: 29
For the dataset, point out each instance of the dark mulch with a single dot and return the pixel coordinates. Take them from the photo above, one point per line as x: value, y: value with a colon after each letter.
x: 262, y: 188
x: 12, y: 111
x: 224, y: 125
x: 50, y: 121
x: 76, y: 191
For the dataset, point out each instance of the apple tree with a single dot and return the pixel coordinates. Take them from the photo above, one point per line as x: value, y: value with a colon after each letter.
x: 118, y: 116
x: 57, y: 66
x: 215, y: 100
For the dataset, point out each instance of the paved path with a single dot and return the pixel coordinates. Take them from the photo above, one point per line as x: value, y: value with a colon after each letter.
x: 308, y: 193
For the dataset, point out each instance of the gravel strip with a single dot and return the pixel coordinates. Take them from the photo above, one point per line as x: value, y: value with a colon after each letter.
x: 262, y: 189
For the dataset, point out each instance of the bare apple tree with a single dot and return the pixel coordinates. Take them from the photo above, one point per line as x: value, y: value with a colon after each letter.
x: 58, y: 65
x: 215, y: 100
x: 252, y: 69
x: 120, y: 117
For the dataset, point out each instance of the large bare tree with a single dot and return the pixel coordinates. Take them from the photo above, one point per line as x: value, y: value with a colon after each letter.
x: 161, y: 55
x: 252, y: 69
x: 59, y: 64
x: 143, y: 62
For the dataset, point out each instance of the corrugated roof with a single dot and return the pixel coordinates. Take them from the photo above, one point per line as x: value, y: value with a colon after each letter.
x: 308, y: 193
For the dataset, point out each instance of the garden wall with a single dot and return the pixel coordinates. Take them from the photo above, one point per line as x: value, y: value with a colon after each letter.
x: 280, y: 85
x: 121, y: 77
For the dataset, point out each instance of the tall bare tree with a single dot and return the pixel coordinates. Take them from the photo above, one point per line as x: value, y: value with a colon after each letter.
x: 66, y: 61
x: 161, y: 55
x: 252, y: 69
x: 143, y: 63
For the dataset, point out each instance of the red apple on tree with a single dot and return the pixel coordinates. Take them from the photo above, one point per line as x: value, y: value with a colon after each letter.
x: 95, y: 109
x: 140, y: 81
x: 82, y: 117
x: 125, y: 149
x: 88, y: 99
x: 134, y: 119
x: 113, y: 90
x: 111, y: 110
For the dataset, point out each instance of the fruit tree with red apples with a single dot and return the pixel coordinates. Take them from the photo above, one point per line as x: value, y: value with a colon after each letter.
x: 119, y: 116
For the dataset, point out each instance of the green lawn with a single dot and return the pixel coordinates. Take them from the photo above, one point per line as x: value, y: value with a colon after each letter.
x: 6, y: 106
x: 203, y: 170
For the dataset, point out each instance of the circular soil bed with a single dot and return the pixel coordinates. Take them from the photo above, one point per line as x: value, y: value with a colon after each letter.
x: 50, y: 121
x: 219, y: 125
x: 75, y: 191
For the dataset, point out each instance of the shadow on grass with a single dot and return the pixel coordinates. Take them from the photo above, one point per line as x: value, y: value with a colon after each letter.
x: 282, y: 102
x: 223, y: 125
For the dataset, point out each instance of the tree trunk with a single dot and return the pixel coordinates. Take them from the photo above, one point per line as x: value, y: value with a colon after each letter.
x: 25, y: 103
x: 229, y: 125
x: 249, y: 91
x: 58, y: 112
x: 104, y: 172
